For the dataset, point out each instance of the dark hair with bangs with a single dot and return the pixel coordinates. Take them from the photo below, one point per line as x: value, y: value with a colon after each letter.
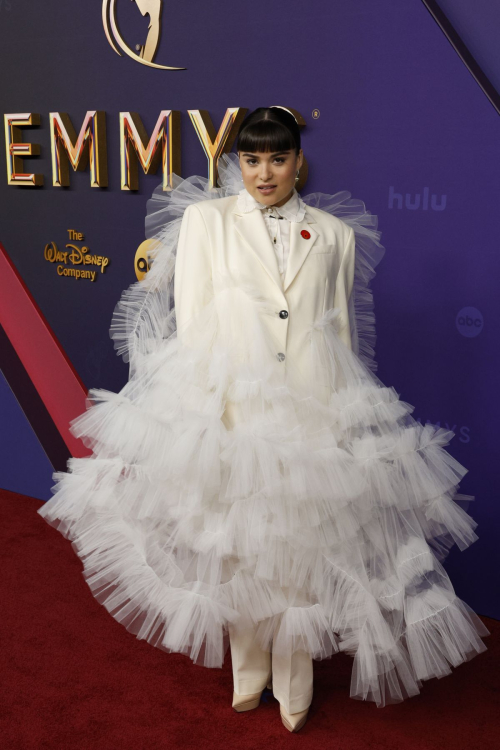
x: 269, y: 129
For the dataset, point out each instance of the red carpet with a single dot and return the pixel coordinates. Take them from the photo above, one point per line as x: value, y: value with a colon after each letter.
x: 74, y: 678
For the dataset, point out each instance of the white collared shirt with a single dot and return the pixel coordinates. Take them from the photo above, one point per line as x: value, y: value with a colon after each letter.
x: 279, y: 228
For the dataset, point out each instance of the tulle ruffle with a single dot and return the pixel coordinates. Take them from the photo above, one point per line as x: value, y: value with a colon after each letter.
x: 317, y: 509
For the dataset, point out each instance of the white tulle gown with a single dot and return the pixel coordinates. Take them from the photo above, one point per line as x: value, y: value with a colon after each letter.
x: 325, y: 524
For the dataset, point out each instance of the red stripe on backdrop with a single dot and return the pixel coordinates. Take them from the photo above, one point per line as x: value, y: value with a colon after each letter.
x: 43, y: 357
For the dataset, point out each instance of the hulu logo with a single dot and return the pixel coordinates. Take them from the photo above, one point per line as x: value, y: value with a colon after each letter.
x: 419, y: 201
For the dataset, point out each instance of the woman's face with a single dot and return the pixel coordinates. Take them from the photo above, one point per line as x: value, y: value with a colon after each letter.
x: 276, y: 171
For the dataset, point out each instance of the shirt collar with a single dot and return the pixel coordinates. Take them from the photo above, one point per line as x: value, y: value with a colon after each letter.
x: 293, y: 210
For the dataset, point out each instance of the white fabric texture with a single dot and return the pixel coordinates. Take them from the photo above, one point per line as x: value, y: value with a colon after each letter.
x: 277, y: 219
x: 322, y: 523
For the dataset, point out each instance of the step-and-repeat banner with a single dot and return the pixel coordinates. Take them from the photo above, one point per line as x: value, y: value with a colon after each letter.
x: 104, y: 101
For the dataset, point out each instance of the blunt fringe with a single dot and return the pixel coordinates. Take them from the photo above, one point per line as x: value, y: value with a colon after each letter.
x: 268, y: 129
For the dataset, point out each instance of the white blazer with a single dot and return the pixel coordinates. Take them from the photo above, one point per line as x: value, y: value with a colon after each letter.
x: 221, y: 249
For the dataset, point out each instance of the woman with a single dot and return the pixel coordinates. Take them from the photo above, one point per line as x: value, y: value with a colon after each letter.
x: 254, y: 484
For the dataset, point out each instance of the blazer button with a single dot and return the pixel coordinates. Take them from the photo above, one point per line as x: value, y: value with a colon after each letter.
x: 283, y: 314
x: 280, y: 356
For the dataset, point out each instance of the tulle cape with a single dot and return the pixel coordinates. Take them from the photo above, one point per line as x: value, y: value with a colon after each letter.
x: 322, y: 522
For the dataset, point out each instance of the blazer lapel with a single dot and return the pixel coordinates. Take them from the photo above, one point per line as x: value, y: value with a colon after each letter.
x: 299, y: 247
x: 252, y: 229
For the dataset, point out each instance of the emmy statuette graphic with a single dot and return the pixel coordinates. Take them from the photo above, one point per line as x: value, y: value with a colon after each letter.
x: 147, y: 51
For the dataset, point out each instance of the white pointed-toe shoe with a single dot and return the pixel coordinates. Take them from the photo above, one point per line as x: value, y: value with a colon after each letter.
x: 293, y: 722
x: 247, y: 702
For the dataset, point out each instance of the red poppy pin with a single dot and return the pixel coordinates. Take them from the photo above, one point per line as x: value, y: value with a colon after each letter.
x: 305, y: 234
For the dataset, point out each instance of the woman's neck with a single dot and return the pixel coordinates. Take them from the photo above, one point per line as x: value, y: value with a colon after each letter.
x: 284, y: 200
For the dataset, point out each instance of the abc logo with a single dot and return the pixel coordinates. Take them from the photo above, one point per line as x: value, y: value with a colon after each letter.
x: 469, y: 322
x: 143, y: 256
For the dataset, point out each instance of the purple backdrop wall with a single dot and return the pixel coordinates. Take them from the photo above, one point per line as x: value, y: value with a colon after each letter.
x: 400, y: 118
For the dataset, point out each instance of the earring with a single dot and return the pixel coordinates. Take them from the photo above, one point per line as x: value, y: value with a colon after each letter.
x: 297, y: 177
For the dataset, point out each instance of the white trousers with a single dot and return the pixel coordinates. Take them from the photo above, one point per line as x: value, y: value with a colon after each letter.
x: 253, y: 667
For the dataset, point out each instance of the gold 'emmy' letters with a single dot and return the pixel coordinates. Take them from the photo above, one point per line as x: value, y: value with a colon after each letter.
x: 89, y: 146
